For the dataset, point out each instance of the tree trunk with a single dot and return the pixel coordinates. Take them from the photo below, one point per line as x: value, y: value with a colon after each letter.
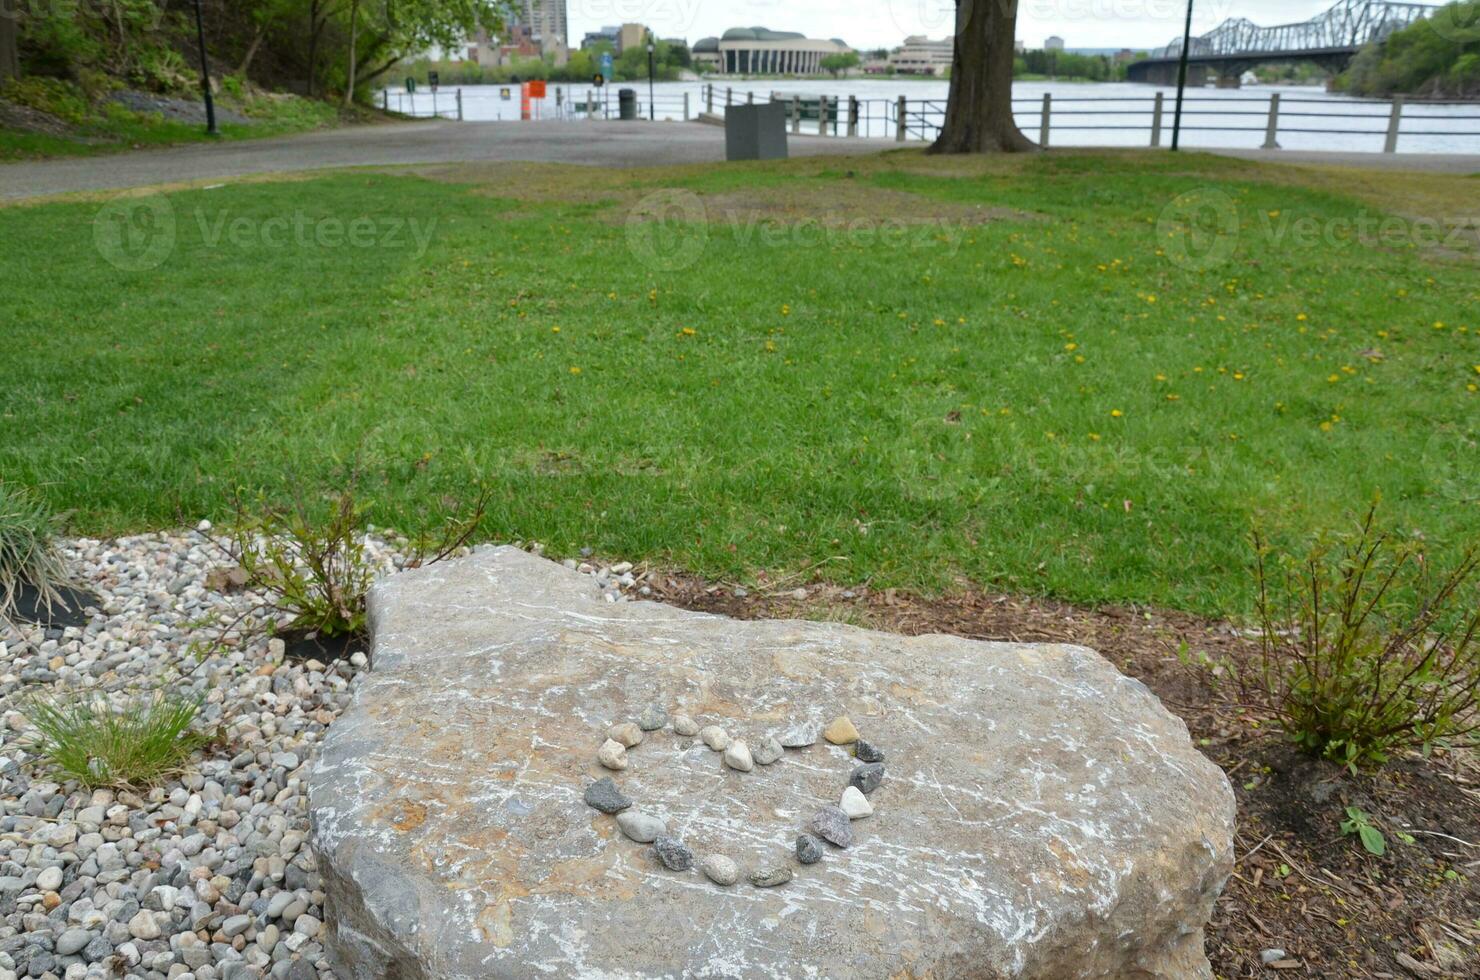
x: 354, y: 37
x: 315, y: 28
x: 979, y: 112
x: 10, y: 59
x: 252, y: 51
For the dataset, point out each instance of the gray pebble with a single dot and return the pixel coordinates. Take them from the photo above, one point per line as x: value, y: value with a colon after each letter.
x: 770, y: 877
x: 867, y: 777
x: 832, y: 825
x: 720, y: 869
x: 768, y: 751
x: 643, y: 827
x: 809, y: 849
x: 73, y: 941
x: 673, y: 853
x: 653, y: 717
x: 606, y: 797
x: 685, y: 726
x: 800, y: 736
x: 867, y: 751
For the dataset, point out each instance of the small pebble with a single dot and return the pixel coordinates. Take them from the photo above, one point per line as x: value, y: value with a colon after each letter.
x: 832, y: 825
x: 673, y: 853
x: 841, y: 731
x: 627, y: 733
x: 653, y: 717
x: 604, y: 796
x: 867, y: 777
x: 715, y: 737
x: 799, y: 737
x: 685, y: 726
x: 737, y: 756
x: 855, y: 804
x: 641, y: 827
x: 49, y: 880
x: 768, y: 751
x: 612, y: 754
x: 867, y: 751
x: 1268, y: 956
x: 770, y: 877
x: 809, y: 849
x: 720, y: 869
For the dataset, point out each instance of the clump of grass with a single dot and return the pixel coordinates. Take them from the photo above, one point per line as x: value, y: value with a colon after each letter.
x: 28, y: 549
x: 310, y: 563
x: 1368, y: 648
x: 97, y: 744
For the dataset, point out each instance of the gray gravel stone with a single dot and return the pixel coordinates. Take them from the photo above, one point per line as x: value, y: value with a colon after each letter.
x: 673, y: 853
x: 653, y: 717
x: 867, y: 777
x: 867, y: 751
x: 809, y: 849
x: 720, y: 869
x: 73, y: 941
x: 641, y: 827
x: 768, y: 750
x: 606, y: 797
x: 800, y: 736
x: 770, y: 877
x: 832, y: 825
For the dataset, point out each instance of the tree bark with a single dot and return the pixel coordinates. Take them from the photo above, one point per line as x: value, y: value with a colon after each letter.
x: 10, y: 58
x: 354, y: 37
x: 252, y: 51
x: 979, y: 110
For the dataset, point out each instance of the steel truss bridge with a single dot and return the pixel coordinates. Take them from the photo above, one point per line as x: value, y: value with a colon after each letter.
x: 1237, y: 45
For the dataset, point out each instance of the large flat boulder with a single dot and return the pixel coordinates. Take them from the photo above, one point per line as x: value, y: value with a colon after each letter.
x: 1041, y: 815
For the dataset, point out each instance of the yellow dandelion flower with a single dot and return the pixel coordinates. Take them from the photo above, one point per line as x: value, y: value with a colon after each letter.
x: 1301, y: 317
x: 1174, y: 398
x: 554, y: 329
x: 575, y: 370
x: 1116, y: 413
x: 1238, y: 375
x: 1325, y: 426
x: 786, y: 309
x: 1334, y: 378
x: 1094, y: 437
x: 1071, y: 347
x: 1161, y: 377
x: 1078, y: 358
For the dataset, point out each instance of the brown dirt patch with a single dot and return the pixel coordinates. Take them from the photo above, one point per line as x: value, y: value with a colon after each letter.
x: 1299, y: 885
x: 26, y: 119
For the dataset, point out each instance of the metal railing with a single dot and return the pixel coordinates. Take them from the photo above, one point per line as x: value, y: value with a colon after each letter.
x: 423, y: 105
x: 908, y: 119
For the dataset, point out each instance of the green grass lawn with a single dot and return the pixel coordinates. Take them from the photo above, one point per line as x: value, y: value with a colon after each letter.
x: 112, y: 128
x: 1021, y: 389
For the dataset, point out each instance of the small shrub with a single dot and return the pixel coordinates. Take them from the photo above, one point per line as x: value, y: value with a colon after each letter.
x: 1368, y: 648
x: 312, y: 567
x: 100, y: 745
x: 28, y: 550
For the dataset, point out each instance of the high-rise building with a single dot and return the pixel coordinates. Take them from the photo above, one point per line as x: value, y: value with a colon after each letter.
x: 546, y: 20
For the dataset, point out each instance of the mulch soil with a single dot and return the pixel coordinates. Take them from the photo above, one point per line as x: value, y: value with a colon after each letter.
x: 1300, y: 885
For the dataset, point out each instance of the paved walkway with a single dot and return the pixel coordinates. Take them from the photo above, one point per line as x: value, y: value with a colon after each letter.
x: 610, y: 144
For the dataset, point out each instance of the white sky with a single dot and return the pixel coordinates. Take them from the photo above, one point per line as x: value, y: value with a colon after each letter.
x: 885, y: 23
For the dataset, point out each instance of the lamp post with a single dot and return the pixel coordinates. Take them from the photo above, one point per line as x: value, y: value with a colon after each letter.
x: 652, y: 112
x: 205, y: 73
x: 1182, y: 78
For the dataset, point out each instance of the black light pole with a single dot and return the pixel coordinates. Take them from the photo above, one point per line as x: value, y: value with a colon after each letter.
x: 1181, y: 78
x: 205, y: 73
x: 652, y: 113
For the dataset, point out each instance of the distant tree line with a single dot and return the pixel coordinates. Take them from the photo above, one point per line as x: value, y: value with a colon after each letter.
x: 670, y: 60
x: 1067, y: 64
x: 316, y: 47
x: 1438, y: 57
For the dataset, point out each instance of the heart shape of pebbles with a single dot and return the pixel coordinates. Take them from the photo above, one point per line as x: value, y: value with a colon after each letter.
x: 831, y: 823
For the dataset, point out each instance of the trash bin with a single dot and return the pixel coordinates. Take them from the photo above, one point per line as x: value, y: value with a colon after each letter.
x: 627, y: 103
x: 756, y: 131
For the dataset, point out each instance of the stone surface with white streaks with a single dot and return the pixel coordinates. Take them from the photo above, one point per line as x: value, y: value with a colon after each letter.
x: 1043, y: 817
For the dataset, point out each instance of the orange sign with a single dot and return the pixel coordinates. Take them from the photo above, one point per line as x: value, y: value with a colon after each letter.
x: 537, y: 89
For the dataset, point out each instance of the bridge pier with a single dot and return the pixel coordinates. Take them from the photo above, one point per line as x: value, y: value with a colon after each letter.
x: 1230, y: 80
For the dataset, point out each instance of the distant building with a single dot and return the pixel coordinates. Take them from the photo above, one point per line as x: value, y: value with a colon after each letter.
x: 607, y: 35
x: 1054, y: 43
x: 761, y: 51
x: 631, y: 36
x: 922, y: 56
x: 1020, y: 46
x: 537, y: 29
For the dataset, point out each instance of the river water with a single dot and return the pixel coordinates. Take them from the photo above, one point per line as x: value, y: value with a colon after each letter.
x: 1082, y: 114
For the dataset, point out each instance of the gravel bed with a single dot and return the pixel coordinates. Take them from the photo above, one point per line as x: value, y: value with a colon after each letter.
x: 207, y: 875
